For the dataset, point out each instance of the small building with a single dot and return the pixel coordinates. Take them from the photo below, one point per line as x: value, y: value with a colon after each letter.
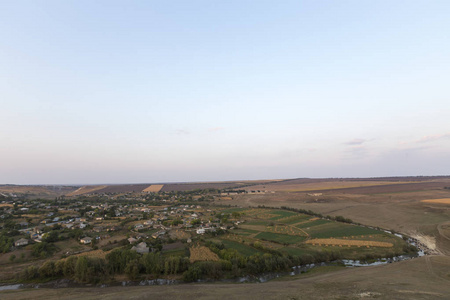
x: 86, y: 240
x: 201, y: 231
x: 141, y: 248
x: 21, y: 242
x: 132, y: 240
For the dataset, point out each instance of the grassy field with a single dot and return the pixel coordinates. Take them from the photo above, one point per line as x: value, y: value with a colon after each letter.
x: 280, y: 238
x: 334, y: 229
x: 243, y: 249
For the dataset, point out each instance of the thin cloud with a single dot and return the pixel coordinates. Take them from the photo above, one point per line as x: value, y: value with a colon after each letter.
x: 432, y: 138
x: 355, y: 142
x: 214, y: 129
x: 182, y: 132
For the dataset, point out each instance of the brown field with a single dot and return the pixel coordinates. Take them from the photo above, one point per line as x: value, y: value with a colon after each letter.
x: 37, y: 190
x: 355, y: 186
x: 154, y: 188
x: 202, y: 253
x: 173, y: 187
x: 345, y: 242
x: 86, y: 190
x: 439, y: 201
x: 320, y: 186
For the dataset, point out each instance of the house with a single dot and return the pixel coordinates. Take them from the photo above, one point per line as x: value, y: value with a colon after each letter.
x: 157, y: 234
x: 21, y: 242
x: 23, y: 224
x: 132, y: 240
x: 138, y: 226
x: 86, y: 240
x: 141, y: 248
x: 201, y: 231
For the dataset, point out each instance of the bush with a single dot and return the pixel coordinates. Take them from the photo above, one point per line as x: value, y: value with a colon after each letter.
x: 192, y: 274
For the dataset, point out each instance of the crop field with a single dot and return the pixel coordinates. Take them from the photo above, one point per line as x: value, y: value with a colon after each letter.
x: 257, y: 222
x: 294, y: 219
x: 245, y: 232
x: 286, y: 229
x: 234, y: 209
x: 202, y: 253
x: 437, y: 201
x: 300, y: 234
x: 308, y: 185
x: 349, y: 243
x: 241, y: 248
x: 280, y: 214
x: 280, y: 238
x: 334, y: 229
x: 312, y: 223
x: 154, y: 188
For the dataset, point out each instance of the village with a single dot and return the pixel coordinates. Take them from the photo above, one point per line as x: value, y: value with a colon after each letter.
x: 74, y: 225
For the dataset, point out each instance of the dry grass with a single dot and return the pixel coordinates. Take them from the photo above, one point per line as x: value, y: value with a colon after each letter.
x: 86, y: 190
x: 154, y: 188
x: 321, y: 185
x: 349, y: 243
x: 286, y: 229
x: 202, y: 253
x: 92, y: 254
x: 179, y: 234
x: 438, y: 201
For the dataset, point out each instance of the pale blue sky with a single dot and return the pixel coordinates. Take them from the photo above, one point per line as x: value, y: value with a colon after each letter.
x: 158, y: 91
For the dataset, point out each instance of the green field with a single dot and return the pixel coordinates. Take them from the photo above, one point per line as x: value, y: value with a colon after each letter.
x: 335, y: 229
x: 241, y: 248
x: 312, y: 223
x: 245, y: 232
x: 234, y: 209
x: 294, y: 219
x: 281, y: 214
x: 280, y: 238
x: 258, y: 222
x: 297, y: 251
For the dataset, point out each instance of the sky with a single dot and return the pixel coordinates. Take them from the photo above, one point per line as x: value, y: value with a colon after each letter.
x: 175, y: 91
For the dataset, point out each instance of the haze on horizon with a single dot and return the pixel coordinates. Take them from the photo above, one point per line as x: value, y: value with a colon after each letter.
x: 157, y: 91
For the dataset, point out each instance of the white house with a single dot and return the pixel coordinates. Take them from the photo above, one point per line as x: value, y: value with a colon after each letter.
x: 86, y: 240
x: 21, y: 242
x: 141, y: 248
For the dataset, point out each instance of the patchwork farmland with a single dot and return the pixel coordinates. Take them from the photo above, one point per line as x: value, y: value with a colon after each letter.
x: 263, y: 230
